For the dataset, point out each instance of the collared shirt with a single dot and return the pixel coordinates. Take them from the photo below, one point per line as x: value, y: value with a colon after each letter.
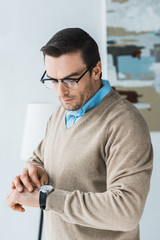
x: 73, y: 116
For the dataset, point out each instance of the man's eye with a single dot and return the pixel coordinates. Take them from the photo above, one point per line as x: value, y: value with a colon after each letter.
x: 53, y: 81
x: 69, y: 80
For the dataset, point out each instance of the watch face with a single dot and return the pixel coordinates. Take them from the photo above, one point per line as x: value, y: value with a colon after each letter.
x: 45, y: 188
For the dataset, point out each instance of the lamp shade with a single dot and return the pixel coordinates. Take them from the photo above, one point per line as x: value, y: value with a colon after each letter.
x: 37, y: 116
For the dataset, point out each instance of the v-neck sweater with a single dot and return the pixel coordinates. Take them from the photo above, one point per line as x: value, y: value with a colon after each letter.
x: 100, y: 168
x: 73, y: 116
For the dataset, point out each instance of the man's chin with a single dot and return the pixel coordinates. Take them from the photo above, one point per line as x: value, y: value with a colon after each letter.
x: 69, y: 107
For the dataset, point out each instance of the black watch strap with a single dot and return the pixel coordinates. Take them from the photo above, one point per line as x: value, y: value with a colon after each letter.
x: 42, y: 200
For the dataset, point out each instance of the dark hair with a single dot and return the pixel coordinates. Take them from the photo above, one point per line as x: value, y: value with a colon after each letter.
x: 72, y: 40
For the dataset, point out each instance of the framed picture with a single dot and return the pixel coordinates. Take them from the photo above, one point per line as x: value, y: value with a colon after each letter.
x: 133, y: 54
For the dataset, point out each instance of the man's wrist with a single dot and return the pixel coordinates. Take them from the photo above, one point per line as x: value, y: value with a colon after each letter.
x: 44, y: 191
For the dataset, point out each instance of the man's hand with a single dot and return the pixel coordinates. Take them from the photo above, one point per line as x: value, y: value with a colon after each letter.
x: 32, y: 176
x: 16, y: 200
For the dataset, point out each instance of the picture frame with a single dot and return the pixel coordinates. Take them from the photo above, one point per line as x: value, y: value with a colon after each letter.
x: 133, y: 54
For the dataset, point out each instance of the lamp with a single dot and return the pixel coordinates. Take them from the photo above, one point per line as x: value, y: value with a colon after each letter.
x: 37, y: 116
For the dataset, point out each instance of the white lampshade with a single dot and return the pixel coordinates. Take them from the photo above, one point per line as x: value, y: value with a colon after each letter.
x: 37, y: 116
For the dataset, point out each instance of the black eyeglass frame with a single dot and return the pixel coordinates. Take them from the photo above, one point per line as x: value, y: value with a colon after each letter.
x: 62, y: 80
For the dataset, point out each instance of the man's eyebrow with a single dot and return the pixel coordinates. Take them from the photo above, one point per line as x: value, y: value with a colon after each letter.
x: 68, y: 76
x: 49, y: 76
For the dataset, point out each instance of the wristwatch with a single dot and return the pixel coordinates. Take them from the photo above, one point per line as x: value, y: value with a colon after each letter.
x: 44, y: 191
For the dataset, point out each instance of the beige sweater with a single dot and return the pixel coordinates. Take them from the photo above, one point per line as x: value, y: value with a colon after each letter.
x: 100, y: 168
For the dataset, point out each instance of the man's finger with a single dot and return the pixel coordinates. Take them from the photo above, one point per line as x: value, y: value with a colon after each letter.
x: 33, y: 174
x: 12, y: 185
x: 9, y: 195
x: 17, y: 184
x: 12, y: 202
x: 44, y: 179
x: 25, y: 179
x: 16, y: 207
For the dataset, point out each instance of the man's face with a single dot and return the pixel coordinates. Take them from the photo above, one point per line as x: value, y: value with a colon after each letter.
x: 72, y: 65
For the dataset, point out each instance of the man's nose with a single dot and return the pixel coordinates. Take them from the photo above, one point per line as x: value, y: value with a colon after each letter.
x: 61, y: 89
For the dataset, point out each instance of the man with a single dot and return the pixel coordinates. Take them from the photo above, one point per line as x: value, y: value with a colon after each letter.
x: 96, y: 154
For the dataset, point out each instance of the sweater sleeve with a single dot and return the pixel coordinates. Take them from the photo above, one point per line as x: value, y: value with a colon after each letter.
x: 128, y: 157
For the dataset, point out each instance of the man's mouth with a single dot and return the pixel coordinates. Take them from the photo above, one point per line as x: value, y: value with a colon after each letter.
x: 66, y: 100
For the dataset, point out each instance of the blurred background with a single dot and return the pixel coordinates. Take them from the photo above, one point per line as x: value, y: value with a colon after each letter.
x: 25, y: 26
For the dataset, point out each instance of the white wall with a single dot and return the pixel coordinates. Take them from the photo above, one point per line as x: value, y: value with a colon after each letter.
x: 150, y: 226
x: 25, y: 26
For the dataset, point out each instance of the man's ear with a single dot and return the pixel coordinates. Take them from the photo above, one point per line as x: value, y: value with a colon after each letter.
x: 96, y: 72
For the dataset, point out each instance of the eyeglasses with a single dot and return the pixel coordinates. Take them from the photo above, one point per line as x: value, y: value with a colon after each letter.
x: 71, y: 83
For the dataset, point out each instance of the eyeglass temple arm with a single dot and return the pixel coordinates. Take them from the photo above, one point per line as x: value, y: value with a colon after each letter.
x: 43, y: 76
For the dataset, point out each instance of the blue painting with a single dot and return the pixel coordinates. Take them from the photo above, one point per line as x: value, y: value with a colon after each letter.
x: 136, y: 67
x: 133, y: 54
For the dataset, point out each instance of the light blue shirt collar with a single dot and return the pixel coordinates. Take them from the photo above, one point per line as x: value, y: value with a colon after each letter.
x: 73, y: 116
